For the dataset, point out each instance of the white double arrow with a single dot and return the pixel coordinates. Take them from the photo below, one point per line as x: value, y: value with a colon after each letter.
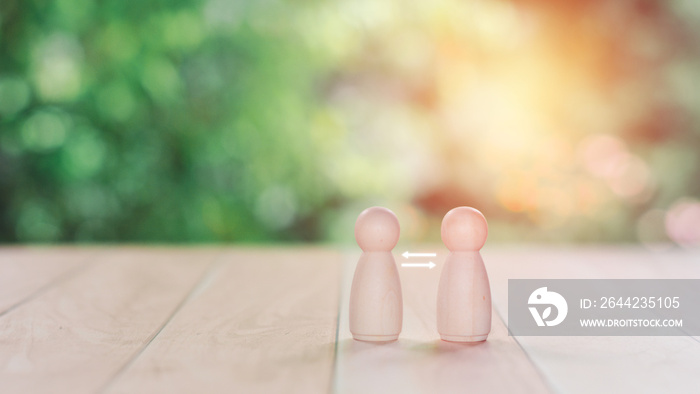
x: 430, y: 265
x: 407, y: 254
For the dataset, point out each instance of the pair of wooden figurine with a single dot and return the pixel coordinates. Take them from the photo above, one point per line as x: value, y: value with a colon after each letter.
x: 464, y: 295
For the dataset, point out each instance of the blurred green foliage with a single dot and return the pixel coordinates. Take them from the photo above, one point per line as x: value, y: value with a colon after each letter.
x: 278, y: 120
x: 156, y: 121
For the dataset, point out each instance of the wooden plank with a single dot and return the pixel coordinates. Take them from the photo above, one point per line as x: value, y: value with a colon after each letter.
x: 76, y: 335
x: 602, y: 364
x: 264, y: 321
x: 419, y: 362
x: 24, y: 271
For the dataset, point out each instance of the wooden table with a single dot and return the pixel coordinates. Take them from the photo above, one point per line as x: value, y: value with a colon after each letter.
x: 274, y: 319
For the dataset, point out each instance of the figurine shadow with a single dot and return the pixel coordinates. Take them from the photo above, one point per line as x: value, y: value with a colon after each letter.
x: 352, y: 346
x: 400, y: 365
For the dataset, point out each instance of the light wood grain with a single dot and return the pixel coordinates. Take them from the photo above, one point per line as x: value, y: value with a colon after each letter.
x: 24, y: 271
x: 464, y: 298
x: 264, y: 322
x: 603, y: 364
x: 419, y: 362
x: 376, y: 306
x: 75, y: 336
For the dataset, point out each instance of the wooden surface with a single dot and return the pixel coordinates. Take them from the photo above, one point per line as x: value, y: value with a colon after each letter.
x: 604, y: 364
x: 215, y: 319
x: 262, y: 321
x: 419, y: 362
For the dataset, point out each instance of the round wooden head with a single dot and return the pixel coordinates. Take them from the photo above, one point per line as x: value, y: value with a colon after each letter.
x: 464, y: 229
x: 377, y: 230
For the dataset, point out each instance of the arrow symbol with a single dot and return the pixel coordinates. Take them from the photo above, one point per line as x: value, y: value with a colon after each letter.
x: 430, y: 265
x: 407, y: 254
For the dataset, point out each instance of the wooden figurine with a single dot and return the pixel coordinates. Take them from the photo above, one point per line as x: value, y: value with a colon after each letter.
x: 376, y: 303
x: 464, y: 294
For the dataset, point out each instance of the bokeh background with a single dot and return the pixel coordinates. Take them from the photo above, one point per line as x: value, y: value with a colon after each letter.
x: 271, y: 120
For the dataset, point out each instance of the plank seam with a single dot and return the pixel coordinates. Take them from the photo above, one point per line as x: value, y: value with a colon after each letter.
x: 206, y: 277
x: 337, y: 326
x: 544, y: 378
x: 70, y: 274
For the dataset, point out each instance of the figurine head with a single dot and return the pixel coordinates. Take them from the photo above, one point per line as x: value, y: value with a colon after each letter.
x: 464, y: 229
x: 377, y: 230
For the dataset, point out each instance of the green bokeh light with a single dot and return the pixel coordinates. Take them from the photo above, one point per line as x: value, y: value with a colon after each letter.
x: 244, y: 121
